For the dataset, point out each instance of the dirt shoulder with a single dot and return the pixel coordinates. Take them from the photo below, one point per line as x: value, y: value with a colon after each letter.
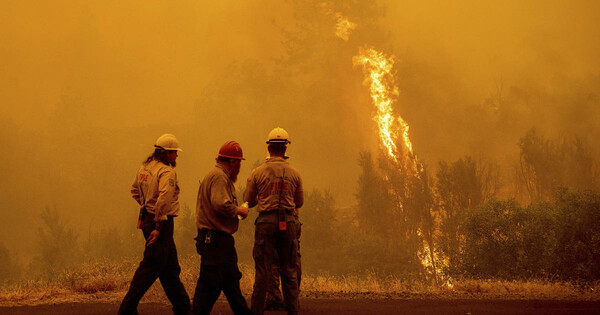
x: 348, y: 306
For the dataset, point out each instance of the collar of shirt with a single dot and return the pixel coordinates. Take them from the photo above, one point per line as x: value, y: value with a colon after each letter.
x: 276, y: 159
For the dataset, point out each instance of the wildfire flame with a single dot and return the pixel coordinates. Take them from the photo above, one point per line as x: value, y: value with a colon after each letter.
x: 378, y: 71
x: 343, y: 27
x: 393, y: 131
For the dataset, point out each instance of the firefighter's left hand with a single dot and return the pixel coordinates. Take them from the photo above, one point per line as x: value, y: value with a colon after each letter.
x: 242, y: 211
x: 152, y: 238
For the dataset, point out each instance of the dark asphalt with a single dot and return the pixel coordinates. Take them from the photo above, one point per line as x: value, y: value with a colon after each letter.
x: 348, y: 307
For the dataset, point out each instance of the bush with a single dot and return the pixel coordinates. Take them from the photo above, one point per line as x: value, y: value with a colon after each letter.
x: 578, y: 250
x: 506, y: 241
x: 545, y: 240
x: 493, y: 239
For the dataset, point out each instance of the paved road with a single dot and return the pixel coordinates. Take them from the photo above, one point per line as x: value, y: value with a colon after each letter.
x: 348, y: 307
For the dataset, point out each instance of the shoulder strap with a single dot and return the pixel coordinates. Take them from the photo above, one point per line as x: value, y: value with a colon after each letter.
x: 281, y: 189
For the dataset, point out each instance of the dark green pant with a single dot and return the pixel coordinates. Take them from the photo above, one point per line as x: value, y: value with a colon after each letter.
x: 273, y: 293
x: 218, y: 272
x: 268, y: 242
x: 160, y: 261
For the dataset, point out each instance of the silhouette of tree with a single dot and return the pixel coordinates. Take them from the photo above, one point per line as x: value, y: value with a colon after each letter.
x: 57, y: 245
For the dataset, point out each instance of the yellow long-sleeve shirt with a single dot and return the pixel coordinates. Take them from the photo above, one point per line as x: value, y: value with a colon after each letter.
x: 155, y: 187
x: 216, y: 206
x: 267, y: 188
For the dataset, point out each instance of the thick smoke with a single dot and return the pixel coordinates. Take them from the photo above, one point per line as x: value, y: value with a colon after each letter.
x: 87, y: 87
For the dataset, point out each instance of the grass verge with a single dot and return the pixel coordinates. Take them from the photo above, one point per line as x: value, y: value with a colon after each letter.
x: 107, y: 282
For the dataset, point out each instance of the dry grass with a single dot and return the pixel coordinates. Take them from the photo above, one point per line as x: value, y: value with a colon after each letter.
x: 108, y: 282
x: 531, y: 289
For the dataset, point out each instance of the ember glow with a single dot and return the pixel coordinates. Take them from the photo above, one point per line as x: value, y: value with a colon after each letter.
x: 344, y: 27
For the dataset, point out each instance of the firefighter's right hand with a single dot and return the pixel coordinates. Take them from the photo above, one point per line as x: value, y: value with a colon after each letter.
x: 152, y: 238
x: 242, y: 211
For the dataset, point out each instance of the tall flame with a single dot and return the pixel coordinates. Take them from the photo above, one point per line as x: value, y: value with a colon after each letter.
x: 378, y: 71
x: 393, y: 131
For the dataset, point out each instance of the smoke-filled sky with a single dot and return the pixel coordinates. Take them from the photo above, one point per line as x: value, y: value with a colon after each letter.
x: 87, y: 87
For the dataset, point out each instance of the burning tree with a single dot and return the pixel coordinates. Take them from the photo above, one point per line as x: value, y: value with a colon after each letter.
x: 400, y: 183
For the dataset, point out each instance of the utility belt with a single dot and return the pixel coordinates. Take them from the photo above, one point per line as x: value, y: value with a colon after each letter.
x: 215, y: 246
x: 207, y: 234
x: 277, y: 216
x: 144, y: 212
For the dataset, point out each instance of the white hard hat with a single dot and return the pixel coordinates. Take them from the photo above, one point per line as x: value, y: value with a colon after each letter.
x: 167, y: 142
x: 278, y: 135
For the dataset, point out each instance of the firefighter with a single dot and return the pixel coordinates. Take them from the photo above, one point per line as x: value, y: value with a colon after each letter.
x: 217, y: 214
x: 275, y: 188
x: 155, y: 188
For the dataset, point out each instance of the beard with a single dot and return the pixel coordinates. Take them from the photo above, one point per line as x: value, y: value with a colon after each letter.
x: 234, y: 175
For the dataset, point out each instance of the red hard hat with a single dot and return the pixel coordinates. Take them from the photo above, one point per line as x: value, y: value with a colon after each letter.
x: 232, y: 150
